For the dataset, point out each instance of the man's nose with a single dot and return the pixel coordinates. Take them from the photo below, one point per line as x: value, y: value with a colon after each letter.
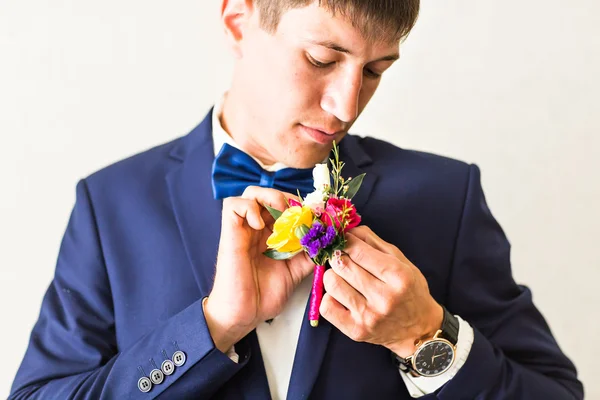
x: 342, y: 97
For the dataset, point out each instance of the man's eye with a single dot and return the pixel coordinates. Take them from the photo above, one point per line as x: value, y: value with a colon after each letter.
x: 372, y: 74
x: 317, y: 63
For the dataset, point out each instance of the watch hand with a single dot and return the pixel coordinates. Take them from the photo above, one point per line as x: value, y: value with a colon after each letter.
x: 439, y: 355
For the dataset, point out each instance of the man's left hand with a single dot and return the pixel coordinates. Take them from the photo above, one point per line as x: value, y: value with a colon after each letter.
x: 376, y: 295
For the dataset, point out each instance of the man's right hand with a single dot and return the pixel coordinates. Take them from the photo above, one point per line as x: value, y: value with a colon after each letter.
x: 249, y: 287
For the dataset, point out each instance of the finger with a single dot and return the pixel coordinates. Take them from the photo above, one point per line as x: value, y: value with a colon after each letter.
x: 300, y: 267
x: 365, y: 234
x: 336, y: 314
x: 376, y: 262
x: 267, y: 196
x: 240, y: 211
x: 365, y: 283
x: 269, y: 220
x: 341, y: 291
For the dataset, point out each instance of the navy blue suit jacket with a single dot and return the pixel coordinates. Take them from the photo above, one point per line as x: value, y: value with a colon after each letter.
x: 139, y: 254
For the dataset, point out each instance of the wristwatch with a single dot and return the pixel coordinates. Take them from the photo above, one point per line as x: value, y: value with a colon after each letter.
x: 434, y: 356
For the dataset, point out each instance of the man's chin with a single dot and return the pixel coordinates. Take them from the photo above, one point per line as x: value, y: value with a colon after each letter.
x: 308, y: 159
x: 311, y: 154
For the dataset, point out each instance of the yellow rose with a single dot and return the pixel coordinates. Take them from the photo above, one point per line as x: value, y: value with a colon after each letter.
x: 283, y: 238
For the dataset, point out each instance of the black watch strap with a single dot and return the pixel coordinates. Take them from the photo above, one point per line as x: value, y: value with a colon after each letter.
x: 450, y: 326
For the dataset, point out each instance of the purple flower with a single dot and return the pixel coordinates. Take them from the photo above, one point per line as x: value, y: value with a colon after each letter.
x: 313, y: 249
x: 317, y: 238
x: 327, y: 239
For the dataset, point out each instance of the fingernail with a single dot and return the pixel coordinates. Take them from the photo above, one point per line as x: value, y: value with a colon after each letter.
x: 338, y: 261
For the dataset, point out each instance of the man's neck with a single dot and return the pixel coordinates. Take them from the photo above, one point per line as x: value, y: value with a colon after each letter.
x: 236, y: 123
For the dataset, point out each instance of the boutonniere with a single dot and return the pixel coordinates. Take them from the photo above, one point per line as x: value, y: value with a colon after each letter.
x: 317, y: 224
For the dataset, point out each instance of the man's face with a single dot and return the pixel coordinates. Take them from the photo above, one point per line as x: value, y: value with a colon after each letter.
x: 303, y: 87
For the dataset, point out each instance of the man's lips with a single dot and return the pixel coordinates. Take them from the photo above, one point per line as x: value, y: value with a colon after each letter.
x: 326, y: 131
x: 322, y: 135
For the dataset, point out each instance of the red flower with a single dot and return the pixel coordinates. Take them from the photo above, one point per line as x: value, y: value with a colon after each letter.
x: 341, y: 213
x: 294, y: 203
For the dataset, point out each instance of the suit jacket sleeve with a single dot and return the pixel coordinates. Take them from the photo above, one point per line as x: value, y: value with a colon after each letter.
x: 73, y: 354
x: 514, y: 355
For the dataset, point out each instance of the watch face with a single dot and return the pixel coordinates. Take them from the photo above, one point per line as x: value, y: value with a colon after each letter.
x: 434, y: 358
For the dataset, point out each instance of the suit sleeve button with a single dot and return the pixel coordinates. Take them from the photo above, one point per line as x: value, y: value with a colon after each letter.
x: 179, y: 358
x: 157, y: 376
x: 144, y: 384
x: 167, y: 367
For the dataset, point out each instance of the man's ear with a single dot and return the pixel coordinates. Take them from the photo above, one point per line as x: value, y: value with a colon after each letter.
x: 235, y: 15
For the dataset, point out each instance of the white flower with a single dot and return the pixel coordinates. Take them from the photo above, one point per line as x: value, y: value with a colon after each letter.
x: 315, y: 201
x: 321, y: 177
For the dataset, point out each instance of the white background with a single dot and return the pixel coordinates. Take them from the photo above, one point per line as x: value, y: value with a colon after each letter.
x: 510, y: 85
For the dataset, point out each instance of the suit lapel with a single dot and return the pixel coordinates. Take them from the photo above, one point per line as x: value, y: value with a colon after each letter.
x: 310, y: 351
x: 198, y: 216
x: 357, y: 161
x: 312, y: 343
x: 197, y: 213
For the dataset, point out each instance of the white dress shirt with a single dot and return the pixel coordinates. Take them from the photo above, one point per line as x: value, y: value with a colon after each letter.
x: 278, y: 340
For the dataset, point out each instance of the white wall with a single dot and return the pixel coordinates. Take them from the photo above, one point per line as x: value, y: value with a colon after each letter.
x: 508, y: 85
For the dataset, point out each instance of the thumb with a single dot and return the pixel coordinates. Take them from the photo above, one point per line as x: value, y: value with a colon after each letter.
x: 300, y: 267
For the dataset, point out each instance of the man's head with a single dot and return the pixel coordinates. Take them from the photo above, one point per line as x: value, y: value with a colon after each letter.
x: 303, y: 64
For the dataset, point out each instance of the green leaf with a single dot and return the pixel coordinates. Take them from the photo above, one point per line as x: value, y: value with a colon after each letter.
x: 338, y: 244
x: 354, y: 185
x: 275, y: 255
x: 274, y: 213
x: 301, y: 231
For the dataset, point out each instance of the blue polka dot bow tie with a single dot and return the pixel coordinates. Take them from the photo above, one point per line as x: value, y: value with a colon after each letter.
x: 233, y: 171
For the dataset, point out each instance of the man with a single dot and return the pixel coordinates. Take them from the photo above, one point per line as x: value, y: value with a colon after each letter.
x: 138, y: 309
